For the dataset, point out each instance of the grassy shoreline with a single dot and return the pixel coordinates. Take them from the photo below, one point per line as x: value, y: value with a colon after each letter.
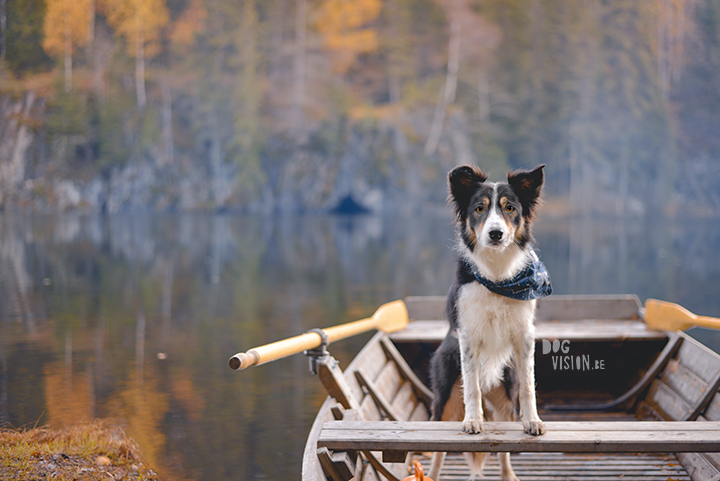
x: 83, y: 452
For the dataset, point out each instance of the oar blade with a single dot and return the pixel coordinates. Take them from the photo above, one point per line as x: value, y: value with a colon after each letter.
x: 667, y: 316
x: 391, y: 317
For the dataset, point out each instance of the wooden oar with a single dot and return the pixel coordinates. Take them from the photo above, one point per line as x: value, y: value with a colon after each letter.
x: 673, y: 317
x: 389, y: 317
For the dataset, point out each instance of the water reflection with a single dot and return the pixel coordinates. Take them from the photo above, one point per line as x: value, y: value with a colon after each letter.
x: 133, y: 317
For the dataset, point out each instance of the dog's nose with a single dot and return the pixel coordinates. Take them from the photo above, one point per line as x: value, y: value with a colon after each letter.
x: 495, y: 235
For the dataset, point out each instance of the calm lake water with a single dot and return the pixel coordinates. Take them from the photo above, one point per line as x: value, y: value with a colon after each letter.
x: 132, y: 318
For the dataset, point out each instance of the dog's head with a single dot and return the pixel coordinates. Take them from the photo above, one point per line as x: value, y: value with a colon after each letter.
x: 495, y: 215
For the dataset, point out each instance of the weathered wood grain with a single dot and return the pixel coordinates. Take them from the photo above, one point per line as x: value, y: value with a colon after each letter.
x: 581, y: 330
x: 388, y: 381
x: 698, y: 466
x: 589, y: 307
x: 420, y: 413
x: 699, y: 359
x: 666, y: 402
x: 579, y: 437
x: 422, y: 391
x: 575, y: 467
x: 404, y: 402
x: 688, y: 385
x: 373, y: 360
x: 712, y: 413
x: 380, y: 400
x: 426, y: 307
x: 549, y: 308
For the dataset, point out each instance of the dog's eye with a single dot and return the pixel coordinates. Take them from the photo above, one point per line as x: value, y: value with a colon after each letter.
x: 509, y: 209
x: 480, y: 209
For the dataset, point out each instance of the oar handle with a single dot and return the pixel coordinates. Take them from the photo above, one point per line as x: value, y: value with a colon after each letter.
x: 303, y: 342
x: 350, y: 329
x: 389, y: 317
x: 710, y: 322
x: 275, y: 350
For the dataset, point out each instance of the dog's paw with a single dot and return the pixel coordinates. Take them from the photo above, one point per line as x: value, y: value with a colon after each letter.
x: 472, y: 426
x: 536, y: 428
x: 509, y: 477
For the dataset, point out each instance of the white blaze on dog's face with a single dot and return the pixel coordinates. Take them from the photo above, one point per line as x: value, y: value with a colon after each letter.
x: 495, y: 216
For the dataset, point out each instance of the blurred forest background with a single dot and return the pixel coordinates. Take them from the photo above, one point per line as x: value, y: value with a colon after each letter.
x: 305, y: 105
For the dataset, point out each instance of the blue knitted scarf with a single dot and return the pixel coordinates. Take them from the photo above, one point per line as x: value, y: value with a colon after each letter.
x: 533, y: 282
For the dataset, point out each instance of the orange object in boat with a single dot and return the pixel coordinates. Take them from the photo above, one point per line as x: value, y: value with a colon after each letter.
x: 419, y: 474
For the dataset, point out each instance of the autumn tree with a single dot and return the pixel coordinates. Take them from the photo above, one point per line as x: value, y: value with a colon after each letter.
x: 346, y: 30
x: 140, y: 23
x: 65, y: 28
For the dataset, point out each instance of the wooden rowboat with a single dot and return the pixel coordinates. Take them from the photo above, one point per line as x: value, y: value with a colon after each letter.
x: 621, y: 401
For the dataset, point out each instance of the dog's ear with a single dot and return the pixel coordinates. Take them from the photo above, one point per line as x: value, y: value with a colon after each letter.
x: 462, y: 181
x: 527, y: 184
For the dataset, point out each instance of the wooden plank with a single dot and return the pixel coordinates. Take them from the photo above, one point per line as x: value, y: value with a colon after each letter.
x: 426, y: 307
x: 420, y: 413
x: 712, y: 413
x: 666, y: 402
x: 702, y: 404
x: 596, y: 329
x: 590, y: 437
x: 580, y: 330
x: 713, y: 459
x: 576, y: 467
x: 554, y: 307
x: 589, y: 307
x: 329, y: 467
x: 380, y: 400
x: 373, y: 360
x: 698, y: 467
x: 645, y: 412
x: 405, y: 401
x: 369, y: 410
x: 422, y: 391
x: 699, y: 359
x: 388, y: 381
x: 685, y: 383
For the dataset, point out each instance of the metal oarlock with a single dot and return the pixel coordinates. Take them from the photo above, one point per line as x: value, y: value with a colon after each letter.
x: 319, y: 352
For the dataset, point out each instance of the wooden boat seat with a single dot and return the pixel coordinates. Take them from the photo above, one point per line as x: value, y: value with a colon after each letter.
x: 567, y: 437
x: 596, y: 318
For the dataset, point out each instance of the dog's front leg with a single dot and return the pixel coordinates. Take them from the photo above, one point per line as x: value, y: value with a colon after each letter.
x: 472, y: 396
x: 525, y: 357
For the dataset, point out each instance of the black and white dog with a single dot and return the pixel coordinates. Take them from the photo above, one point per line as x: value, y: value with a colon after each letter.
x: 487, y: 359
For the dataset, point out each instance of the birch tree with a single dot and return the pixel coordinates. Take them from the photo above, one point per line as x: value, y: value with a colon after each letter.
x: 65, y: 28
x: 454, y: 10
x: 140, y: 23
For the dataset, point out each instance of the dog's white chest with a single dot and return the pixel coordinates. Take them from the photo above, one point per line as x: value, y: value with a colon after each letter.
x: 488, y: 325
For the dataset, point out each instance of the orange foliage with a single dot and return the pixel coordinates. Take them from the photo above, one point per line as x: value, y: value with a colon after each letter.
x: 343, y: 25
x: 190, y: 23
x: 62, y: 18
x: 138, y: 21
